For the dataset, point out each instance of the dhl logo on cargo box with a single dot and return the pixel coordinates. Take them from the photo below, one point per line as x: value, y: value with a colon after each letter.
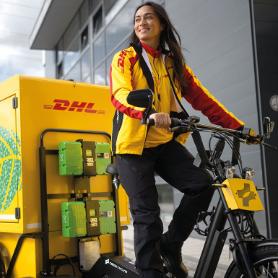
x: 73, y: 106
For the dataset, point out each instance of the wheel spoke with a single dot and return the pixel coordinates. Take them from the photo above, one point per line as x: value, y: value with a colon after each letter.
x: 265, y: 259
x: 269, y: 270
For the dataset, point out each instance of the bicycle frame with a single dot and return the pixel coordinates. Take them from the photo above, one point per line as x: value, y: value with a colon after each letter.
x: 213, y: 245
x: 217, y: 233
x: 215, y: 241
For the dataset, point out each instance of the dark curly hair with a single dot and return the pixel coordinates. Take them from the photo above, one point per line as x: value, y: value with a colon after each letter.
x: 168, y: 37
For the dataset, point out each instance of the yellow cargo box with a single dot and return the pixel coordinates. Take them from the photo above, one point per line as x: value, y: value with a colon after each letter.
x: 28, y: 107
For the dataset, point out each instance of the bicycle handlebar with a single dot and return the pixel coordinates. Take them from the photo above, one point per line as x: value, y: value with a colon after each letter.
x: 192, y: 123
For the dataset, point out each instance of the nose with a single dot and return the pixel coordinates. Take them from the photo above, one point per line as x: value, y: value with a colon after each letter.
x: 141, y: 21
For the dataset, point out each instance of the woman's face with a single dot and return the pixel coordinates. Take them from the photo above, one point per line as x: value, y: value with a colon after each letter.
x: 147, y: 26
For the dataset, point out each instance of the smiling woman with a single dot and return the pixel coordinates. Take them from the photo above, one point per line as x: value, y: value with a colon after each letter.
x: 154, y: 62
x: 147, y: 26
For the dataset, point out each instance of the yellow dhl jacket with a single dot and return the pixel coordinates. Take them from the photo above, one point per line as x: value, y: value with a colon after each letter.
x: 129, y: 136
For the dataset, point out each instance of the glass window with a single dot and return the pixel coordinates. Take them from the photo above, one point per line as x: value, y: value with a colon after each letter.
x: 72, y: 31
x: 93, y: 4
x: 108, y: 65
x: 109, y: 59
x: 87, y: 79
x: 74, y: 74
x: 60, y: 52
x: 97, y: 21
x: 121, y: 25
x: 71, y: 55
x: 123, y: 45
x: 60, y: 70
x: 99, y: 75
x: 84, y: 12
x: 108, y: 4
x: 99, y: 49
x: 85, y: 64
x: 84, y: 38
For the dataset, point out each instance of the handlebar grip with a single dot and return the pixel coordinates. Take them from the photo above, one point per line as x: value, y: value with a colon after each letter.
x: 150, y: 122
x: 246, y: 131
x: 250, y: 136
x: 175, y: 122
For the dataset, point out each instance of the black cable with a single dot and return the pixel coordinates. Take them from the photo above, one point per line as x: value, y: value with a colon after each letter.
x: 210, y: 139
x: 229, y: 141
x: 244, y: 220
x: 56, y: 268
x: 230, y: 144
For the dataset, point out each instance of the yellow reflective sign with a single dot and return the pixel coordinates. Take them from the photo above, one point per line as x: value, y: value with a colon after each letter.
x: 241, y: 194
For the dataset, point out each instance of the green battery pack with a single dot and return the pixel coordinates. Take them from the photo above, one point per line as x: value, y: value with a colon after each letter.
x: 70, y: 158
x: 103, y: 157
x: 96, y: 156
x: 73, y: 219
x: 107, y: 217
x: 89, y: 158
x: 92, y: 210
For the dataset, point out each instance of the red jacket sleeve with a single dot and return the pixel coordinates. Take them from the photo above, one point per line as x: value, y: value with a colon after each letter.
x: 201, y: 99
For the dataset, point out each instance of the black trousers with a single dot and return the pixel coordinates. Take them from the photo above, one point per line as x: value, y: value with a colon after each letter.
x: 174, y: 164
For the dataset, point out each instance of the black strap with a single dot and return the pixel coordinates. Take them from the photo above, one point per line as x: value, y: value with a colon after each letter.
x: 144, y: 66
x: 148, y: 75
x: 195, y: 134
x: 175, y: 94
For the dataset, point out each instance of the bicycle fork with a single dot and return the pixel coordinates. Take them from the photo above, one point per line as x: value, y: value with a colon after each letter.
x: 213, y: 245
x: 215, y: 242
x: 241, y: 255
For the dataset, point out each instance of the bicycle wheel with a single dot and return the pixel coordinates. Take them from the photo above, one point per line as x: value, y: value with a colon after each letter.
x: 2, y: 269
x: 265, y: 260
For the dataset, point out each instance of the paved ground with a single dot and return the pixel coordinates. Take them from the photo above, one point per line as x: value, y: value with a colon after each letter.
x: 191, y: 252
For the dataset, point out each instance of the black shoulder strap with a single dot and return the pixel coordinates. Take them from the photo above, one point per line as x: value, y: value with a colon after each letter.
x: 145, y: 68
x: 195, y: 134
x: 175, y: 93
x: 147, y: 73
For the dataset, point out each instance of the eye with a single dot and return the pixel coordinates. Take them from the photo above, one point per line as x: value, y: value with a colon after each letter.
x: 137, y: 19
x: 148, y: 17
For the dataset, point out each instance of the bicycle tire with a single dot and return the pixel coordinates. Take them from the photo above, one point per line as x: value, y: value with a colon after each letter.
x: 265, y: 262
x: 2, y: 269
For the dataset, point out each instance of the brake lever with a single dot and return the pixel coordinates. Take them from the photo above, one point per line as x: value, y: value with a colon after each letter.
x: 260, y: 140
x: 181, y: 128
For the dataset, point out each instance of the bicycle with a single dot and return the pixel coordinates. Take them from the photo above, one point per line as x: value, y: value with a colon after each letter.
x: 253, y: 254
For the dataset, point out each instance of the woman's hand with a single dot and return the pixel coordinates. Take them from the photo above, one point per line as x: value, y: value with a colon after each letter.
x: 161, y: 120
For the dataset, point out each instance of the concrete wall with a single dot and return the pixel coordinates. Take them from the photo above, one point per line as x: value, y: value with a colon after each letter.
x: 216, y: 35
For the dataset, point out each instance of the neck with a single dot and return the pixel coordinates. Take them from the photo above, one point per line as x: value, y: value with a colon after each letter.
x: 152, y: 44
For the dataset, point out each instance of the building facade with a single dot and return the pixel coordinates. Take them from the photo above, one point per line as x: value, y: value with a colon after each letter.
x: 229, y: 44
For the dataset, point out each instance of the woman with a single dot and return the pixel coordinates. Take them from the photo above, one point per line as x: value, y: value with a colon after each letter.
x: 142, y: 151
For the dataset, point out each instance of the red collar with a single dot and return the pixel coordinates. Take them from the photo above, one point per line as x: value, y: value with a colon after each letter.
x: 154, y: 52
